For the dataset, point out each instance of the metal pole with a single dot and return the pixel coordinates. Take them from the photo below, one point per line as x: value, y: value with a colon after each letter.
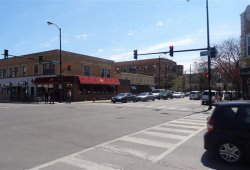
x: 159, y: 71
x: 60, y: 60
x: 209, y: 60
x: 190, y: 79
x: 61, y: 78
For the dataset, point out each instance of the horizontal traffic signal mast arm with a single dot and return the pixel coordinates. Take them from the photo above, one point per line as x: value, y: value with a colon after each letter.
x: 197, y: 49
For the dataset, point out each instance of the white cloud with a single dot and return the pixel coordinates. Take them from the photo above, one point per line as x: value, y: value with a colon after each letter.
x: 130, y: 33
x: 127, y: 56
x: 100, y: 50
x: 159, y: 23
x: 82, y: 36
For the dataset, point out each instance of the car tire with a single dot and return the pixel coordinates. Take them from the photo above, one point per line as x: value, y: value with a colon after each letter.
x: 230, y: 152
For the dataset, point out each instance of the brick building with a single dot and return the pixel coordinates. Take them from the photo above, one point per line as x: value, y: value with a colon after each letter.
x: 163, y: 70
x: 245, y: 47
x: 23, y: 77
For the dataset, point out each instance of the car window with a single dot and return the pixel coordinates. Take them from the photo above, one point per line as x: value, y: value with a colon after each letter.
x: 247, y: 115
x: 230, y: 112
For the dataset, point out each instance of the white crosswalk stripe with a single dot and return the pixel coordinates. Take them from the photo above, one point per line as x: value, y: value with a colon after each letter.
x: 152, y: 144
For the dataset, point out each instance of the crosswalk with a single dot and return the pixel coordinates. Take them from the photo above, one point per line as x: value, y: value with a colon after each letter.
x: 152, y: 144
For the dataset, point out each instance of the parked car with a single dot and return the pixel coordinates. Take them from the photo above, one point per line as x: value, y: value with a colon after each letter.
x: 215, y: 96
x: 230, y: 95
x: 123, y: 97
x: 165, y: 95
x: 145, y: 97
x: 156, y: 92
x: 228, y: 131
x: 178, y: 95
x: 195, y: 95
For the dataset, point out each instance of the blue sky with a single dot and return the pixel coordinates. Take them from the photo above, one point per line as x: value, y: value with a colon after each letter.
x: 112, y: 29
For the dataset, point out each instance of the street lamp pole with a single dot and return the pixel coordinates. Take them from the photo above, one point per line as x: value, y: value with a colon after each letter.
x: 209, y: 60
x: 60, y: 59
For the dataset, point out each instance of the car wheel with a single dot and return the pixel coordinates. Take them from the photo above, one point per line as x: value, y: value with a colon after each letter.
x: 230, y: 152
x: 153, y: 99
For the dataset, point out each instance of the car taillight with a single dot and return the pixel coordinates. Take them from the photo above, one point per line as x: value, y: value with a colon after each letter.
x: 210, y: 125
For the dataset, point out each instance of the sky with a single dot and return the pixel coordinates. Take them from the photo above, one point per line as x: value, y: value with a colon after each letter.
x: 112, y: 29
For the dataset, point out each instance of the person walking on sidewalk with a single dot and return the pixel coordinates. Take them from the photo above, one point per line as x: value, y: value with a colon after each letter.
x: 69, y: 96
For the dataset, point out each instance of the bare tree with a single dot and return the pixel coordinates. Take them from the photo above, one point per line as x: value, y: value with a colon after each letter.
x: 226, y: 63
x: 225, y: 67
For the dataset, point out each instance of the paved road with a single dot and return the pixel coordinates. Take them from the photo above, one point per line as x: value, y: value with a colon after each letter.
x: 87, y: 135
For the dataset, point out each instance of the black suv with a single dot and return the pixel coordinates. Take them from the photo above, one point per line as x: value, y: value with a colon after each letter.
x: 228, y: 131
x: 165, y: 95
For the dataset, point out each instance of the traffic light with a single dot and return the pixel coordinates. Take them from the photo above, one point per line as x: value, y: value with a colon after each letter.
x: 135, y: 54
x: 6, y: 54
x: 40, y: 60
x: 213, y: 52
x: 206, y: 75
x: 171, y: 50
x: 69, y: 67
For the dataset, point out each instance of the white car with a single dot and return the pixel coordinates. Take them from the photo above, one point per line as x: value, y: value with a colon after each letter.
x: 178, y: 95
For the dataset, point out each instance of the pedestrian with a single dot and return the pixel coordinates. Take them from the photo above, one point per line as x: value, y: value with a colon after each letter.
x: 52, y: 98
x: 69, y: 96
x: 46, y: 97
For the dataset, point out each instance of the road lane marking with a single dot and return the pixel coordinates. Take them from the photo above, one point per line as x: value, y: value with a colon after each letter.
x: 146, y: 142
x: 164, y: 135
x: 174, y: 129
x: 137, y: 147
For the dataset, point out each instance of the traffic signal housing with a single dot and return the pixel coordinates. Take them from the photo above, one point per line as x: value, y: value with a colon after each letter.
x: 135, y: 54
x: 6, y: 54
x: 40, y: 60
x: 171, y: 50
x: 213, y: 52
x: 206, y: 75
x: 69, y: 67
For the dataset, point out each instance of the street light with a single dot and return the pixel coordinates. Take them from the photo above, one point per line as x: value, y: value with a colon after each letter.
x: 60, y: 59
x: 208, y: 58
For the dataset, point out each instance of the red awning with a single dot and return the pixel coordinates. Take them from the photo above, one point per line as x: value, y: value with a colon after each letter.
x: 98, y: 80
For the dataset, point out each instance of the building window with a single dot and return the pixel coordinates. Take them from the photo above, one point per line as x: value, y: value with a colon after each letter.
x: 13, y: 72
x: 105, y: 73
x: 48, y: 69
x: 86, y: 70
x: 24, y: 70
x: 35, y: 71
x: 248, y: 45
x: 4, y: 73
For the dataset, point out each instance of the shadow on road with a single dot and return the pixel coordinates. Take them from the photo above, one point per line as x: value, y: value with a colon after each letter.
x: 209, y: 160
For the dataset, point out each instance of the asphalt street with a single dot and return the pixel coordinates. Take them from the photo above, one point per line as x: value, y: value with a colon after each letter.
x: 102, y: 135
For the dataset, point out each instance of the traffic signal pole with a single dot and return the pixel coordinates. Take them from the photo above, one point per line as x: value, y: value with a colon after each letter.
x: 166, y: 52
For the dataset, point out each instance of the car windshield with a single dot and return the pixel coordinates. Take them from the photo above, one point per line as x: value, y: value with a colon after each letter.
x: 121, y: 94
x: 207, y: 93
x: 155, y: 91
x: 143, y: 94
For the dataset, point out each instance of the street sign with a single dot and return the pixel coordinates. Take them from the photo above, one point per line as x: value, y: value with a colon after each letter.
x: 204, y: 53
x: 55, y: 62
